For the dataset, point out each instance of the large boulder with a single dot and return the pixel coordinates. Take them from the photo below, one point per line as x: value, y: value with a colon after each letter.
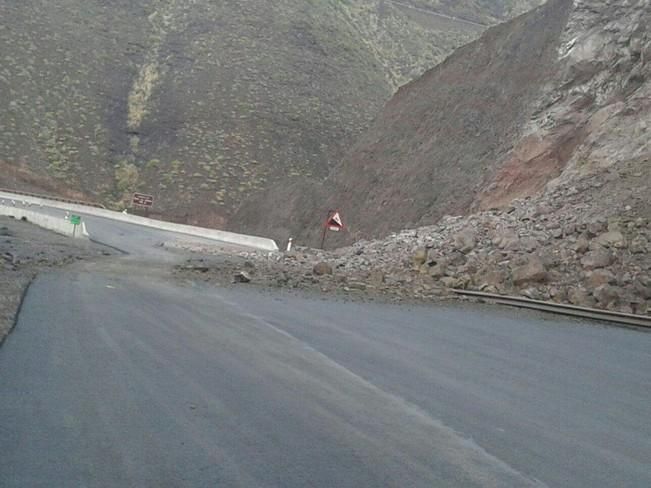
x: 533, y: 271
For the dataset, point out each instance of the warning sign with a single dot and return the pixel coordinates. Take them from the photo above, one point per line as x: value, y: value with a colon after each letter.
x: 334, y: 222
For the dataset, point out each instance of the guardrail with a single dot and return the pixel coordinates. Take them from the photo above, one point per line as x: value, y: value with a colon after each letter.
x: 643, y: 321
x: 254, y: 242
x: 55, y: 224
x: 55, y: 199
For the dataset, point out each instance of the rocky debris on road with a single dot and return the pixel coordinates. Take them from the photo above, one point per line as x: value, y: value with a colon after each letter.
x: 26, y: 250
x: 241, y: 277
x: 550, y: 248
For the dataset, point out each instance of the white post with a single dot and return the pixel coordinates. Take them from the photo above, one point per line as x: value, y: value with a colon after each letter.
x: 289, y: 244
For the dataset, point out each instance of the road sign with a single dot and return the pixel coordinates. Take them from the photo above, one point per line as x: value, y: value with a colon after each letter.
x: 334, y: 222
x: 143, y: 200
x: 75, y: 219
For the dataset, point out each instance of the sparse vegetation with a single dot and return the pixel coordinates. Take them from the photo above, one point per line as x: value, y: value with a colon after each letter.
x: 201, y: 102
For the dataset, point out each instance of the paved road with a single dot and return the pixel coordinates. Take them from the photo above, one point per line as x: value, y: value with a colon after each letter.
x: 139, y: 241
x: 115, y: 376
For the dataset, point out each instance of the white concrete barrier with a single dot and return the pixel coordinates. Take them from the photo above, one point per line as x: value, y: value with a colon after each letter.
x: 254, y: 242
x: 55, y: 224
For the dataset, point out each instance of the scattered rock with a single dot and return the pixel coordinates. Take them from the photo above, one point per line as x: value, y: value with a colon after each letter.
x: 322, y: 268
x: 639, y: 245
x: 581, y: 298
x: 532, y: 272
x: 532, y: 294
x: 241, y: 277
x: 490, y: 278
x: 465, y: 241
x: 596, y: 228
x: 508, y: 239
x: 611, y: 239
x: 600, y: 258
x: 377, y: 278
x: 419, y: 258
x: 582, y: 245
x: 450, y: 282
x: 197, y: 269
x: 437, y: 271
x: 600, y: 277
x: 643, y: 287
x: 357, y: 285
x: 606, y: 295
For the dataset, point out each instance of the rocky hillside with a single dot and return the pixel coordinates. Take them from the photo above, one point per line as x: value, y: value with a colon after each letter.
x: 202, y: 103
x: 558, y: 94
x: 536, y: 137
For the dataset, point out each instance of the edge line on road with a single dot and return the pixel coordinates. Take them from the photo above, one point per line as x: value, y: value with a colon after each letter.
x: 21, y: 302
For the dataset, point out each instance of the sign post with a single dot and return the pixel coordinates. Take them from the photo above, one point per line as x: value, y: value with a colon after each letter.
x: 333, y: 223
x: 75, y: 220
x: 144, y: 201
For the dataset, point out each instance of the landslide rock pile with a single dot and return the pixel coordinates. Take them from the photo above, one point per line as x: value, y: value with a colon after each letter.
x: 571, y: 245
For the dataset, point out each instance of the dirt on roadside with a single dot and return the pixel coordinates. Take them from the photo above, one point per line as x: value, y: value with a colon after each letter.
x: 26, y: 250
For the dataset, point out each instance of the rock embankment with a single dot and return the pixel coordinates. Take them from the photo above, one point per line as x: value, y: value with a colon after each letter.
x: 561, y: 247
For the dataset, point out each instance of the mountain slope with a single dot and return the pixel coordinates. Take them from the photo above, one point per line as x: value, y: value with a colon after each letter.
x: 559, y: 93
x: 201, y: 103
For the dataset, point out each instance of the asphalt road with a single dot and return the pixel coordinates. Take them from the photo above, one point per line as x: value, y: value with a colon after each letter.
x: 142, y: 242
x: 116, y: 377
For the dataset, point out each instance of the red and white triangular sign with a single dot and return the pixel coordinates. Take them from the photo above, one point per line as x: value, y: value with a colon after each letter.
x: 335, y: 223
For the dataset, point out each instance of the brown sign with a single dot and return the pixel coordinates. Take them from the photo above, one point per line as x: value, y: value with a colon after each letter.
x: 142, y: 200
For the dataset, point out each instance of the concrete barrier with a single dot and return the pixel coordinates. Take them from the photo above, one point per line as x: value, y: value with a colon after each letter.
x: 254, y: 242
x: 55, y: 224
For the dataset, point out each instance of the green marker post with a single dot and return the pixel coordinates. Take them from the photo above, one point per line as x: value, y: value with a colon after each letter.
x: 75, y: 220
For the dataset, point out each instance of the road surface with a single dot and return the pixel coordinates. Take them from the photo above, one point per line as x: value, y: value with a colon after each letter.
x: 115, y: 376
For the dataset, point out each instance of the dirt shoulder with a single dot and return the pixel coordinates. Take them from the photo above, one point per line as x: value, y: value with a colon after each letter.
x: 26, y: 250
